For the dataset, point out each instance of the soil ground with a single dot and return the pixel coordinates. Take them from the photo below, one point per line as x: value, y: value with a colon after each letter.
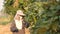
x: 5, y: 29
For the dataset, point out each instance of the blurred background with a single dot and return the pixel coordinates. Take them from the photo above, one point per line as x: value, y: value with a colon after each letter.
x: 43, y: 15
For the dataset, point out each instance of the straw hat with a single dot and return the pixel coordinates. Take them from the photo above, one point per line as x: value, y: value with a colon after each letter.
x: 20, y: 12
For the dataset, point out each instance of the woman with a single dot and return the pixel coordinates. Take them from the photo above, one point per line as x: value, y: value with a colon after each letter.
x: 19, y: 24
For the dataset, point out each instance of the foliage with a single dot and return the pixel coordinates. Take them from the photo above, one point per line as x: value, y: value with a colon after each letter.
x: 43, y: 16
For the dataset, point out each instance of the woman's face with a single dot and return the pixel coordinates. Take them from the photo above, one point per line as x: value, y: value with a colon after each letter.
x: 19, y: 17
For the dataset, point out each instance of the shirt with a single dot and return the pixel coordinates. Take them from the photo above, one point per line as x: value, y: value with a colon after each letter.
x: 18, y: 24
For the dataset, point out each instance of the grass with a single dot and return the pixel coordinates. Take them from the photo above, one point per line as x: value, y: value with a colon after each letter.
x: 3, y: 23
x: 5, y: 20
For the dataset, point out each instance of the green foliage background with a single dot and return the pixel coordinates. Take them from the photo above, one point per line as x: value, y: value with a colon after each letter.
x: 43, y: 15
